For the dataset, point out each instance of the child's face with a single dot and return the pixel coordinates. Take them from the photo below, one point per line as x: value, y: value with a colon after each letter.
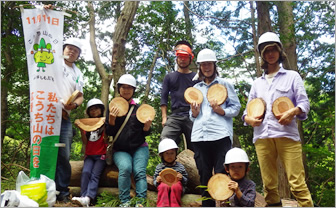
x: 95, y: 111
x: 237, y: 170
x: 169, y: 156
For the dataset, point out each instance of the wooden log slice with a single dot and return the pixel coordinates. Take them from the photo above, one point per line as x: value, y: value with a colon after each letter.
x: 192, y: 94
x: 168, y: 176
x: 280, y: 105
x: 218, y: 187
x: 90, y: 124
x: 256, y: 108
x: 121, y: 104
x: 218, y: 92
x: 144, y: 112
x: 73, y: 97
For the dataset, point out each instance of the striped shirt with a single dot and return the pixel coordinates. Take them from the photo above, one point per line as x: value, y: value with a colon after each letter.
x: 178, y: 167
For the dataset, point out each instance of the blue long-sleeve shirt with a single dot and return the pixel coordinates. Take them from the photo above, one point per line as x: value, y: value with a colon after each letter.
x: 210, y: 126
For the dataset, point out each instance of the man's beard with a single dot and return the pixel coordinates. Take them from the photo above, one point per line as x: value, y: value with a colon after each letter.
x: 185, y: 66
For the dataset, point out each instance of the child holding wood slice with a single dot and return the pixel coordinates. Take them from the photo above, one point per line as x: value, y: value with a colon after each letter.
x: 95, y: 152
x: 169, y: 195
x: 237, y: 165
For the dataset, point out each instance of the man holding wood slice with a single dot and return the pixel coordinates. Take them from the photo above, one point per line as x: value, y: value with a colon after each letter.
x: 276, y: 135
x: 71, y: 94
x: 174, y: 84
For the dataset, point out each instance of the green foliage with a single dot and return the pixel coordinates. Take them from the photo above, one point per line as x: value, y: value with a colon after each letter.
x: 106, y: 199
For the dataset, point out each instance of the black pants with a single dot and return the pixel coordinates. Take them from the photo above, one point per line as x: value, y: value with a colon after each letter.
x: 175, y: 126
x: 209, y: 158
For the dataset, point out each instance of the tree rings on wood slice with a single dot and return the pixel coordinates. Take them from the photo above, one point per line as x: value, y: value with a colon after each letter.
x: 73, y: 97
x: 218, y: 92
x: 168, y: 176
x: 90, y: 124
x: 280, y: 105
x: 192, y: 94
x: 145, y: 112
x: 218, y: 187
x: 256, y: 108
x: 121, y: 104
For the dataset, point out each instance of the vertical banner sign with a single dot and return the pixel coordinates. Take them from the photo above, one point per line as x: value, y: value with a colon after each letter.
x: 43, y: 35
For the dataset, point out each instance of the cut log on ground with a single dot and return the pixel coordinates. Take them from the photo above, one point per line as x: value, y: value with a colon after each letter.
x: 259, y: 202
x: 188, y: 200
x: 186, y: 158
x: 109, y: 177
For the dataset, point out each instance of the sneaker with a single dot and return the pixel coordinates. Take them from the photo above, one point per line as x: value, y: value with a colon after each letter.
x: 84, y: 201
x: 63, y: 199
x: 125, y: 204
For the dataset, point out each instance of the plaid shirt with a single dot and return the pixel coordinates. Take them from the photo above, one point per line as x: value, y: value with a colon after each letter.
x: 248, y: 188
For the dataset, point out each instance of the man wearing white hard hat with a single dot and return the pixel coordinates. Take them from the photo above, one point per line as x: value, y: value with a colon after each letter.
x: 72, y: 81
x: 278, y: 136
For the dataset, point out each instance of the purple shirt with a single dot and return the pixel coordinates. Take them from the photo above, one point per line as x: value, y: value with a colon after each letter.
x: 285, y: 83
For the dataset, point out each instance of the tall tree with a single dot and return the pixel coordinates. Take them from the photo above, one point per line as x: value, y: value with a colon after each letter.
x: 121, y: 30
x: 264, y: 25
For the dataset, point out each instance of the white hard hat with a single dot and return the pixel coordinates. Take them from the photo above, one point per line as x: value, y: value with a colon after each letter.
x: 206, y: 55
x: 95, y: 101
x: 127, y: 79
x: 236, y: 155
x: 269, y: 37
x: 75, y: 42
x: 167, y: 144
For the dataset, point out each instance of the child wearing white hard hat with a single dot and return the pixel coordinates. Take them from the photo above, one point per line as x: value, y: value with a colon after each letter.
x: 237, y: 165
x: 169, y: 194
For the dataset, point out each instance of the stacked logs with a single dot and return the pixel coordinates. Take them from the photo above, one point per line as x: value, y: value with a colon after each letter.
x: 109, y: 181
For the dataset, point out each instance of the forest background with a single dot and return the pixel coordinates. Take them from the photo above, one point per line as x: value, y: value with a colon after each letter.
x: 138, y: 38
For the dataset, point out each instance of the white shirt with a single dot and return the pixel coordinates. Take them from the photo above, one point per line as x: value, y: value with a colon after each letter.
x: 72, y: 81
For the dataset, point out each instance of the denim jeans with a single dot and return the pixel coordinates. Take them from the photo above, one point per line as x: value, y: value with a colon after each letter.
x: 127, y: 164
x: 92, y: 169
x: 63, y: 168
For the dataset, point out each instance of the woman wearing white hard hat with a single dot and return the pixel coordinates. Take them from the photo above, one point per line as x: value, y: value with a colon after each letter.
x: 130, y: 149
x: 237, y: 165
x: 279, y: 136
x: 212, y: 132
x: 169, y: 196
x: 72, y: 80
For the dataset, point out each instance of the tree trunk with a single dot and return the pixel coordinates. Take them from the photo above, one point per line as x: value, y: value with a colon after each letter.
x: 121, y: 30
x: 264, y: 20
x: 255, y: 40
x: 150, y: 75
x: 186, y: 5
x: 287, y: 33
x: 106, y: 79
x: 264, y: 25
x: 6, y: 73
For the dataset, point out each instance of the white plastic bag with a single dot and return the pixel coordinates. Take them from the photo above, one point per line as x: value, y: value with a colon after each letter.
x: 15, y: 199
x: 42, y: 190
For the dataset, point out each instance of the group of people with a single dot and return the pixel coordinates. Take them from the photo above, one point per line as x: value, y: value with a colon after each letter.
x: 208, y: 129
